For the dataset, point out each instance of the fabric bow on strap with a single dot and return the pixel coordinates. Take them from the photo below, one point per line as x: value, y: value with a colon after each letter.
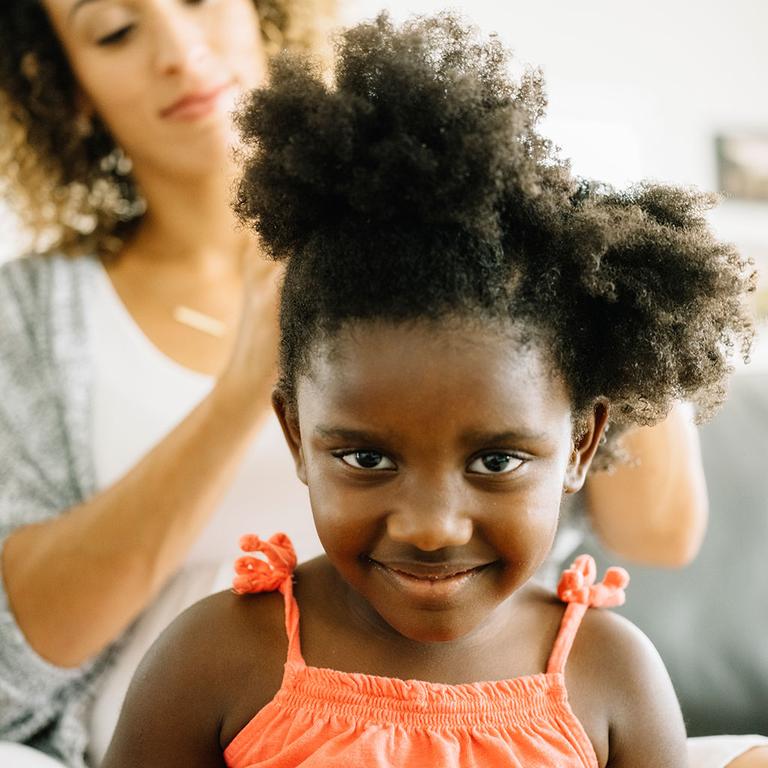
x: 577, y: 584
x: 257, y: 575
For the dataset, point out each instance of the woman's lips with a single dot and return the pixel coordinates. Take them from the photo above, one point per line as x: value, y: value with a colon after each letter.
x: 195, y: 105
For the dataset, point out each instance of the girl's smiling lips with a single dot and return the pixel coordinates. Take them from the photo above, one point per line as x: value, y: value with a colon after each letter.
x: 430, y: 581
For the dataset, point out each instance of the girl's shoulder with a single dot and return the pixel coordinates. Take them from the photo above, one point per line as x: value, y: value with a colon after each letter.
x: 241, y: 642
x: 203, y: 679
x: 617, y: 683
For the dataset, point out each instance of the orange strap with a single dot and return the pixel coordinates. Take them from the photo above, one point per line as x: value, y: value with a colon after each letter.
x: 270, y: 575
x: 577, y: 587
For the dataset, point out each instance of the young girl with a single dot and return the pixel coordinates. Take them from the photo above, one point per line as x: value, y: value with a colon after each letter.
x: 459, y: 317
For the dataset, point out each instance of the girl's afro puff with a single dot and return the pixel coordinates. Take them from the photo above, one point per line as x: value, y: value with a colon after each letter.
x: 419, y: 187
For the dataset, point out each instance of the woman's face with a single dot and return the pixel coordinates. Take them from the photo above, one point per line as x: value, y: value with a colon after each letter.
x: 164, y: 75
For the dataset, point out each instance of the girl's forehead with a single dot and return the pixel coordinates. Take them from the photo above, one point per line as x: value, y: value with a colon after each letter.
x: 428, y: 343
x: 473, y: 371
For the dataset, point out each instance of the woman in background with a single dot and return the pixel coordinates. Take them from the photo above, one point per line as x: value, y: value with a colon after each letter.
x: 137, y: 353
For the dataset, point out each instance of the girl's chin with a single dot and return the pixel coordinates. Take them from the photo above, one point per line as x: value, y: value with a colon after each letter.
x: 433, y: 628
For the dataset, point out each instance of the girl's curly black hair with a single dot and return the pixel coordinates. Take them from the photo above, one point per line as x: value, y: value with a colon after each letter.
x: 419, y: 187
x: 63, y: 184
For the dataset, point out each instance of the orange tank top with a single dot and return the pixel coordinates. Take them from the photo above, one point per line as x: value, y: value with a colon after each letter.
x: 322, y: 717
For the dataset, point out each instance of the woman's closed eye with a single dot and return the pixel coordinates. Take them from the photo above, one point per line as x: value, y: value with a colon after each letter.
x: 115, y: 37
x: 498, y: 463
x: 366, y: 460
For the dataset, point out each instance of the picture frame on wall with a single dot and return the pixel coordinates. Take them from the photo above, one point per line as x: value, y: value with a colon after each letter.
x: 742, y: 165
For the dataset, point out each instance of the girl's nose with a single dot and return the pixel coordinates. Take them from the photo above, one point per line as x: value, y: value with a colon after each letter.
x: 431, y: 521
x: 180, y: 43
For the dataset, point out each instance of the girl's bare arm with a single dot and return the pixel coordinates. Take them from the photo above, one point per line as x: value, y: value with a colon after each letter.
x: 621, y: 692
x: 647, y: 726
x: 172, y: 710
x: 201, y: 682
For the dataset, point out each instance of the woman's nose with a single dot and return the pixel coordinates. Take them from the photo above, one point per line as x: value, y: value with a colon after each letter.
x: 180, y: 43
x: 431, y: 520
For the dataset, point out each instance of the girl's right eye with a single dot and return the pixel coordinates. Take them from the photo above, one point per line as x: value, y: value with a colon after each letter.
x: 115, y: 37
x: 498, y: 463
x: 367, y: 460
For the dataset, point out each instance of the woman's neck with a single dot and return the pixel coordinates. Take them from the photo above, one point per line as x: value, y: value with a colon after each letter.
x: 190, y: 223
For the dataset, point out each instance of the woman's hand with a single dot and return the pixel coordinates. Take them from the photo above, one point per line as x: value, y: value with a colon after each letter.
x: 251, y: 372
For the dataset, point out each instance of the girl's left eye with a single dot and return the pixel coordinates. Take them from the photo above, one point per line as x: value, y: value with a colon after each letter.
x: 367, y: 460
x: 495, y: 464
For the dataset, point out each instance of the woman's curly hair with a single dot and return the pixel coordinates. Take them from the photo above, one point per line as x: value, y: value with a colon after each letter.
x: 419, y: 187
x: 65, y: 186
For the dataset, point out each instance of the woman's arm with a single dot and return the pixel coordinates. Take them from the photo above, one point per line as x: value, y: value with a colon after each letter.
x: 76, y: 581
x: 653, y: 510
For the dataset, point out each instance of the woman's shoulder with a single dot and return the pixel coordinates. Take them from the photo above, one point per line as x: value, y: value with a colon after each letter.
x: 43, y: 360
x: 29, y: 270
x: 40, y: 288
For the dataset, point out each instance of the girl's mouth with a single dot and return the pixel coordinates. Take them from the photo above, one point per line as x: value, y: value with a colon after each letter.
x: 432, y: 582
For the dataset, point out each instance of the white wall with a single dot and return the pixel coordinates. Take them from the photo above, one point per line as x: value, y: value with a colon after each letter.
x: 660, y: 77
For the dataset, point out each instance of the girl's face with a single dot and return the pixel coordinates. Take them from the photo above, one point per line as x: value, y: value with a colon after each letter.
x: 436, y: 460
x: 164, y: 75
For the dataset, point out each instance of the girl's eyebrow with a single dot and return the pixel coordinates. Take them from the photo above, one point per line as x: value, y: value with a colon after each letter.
x: 473, y: 438
x: 507, y: 436
x: 351, y: 435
